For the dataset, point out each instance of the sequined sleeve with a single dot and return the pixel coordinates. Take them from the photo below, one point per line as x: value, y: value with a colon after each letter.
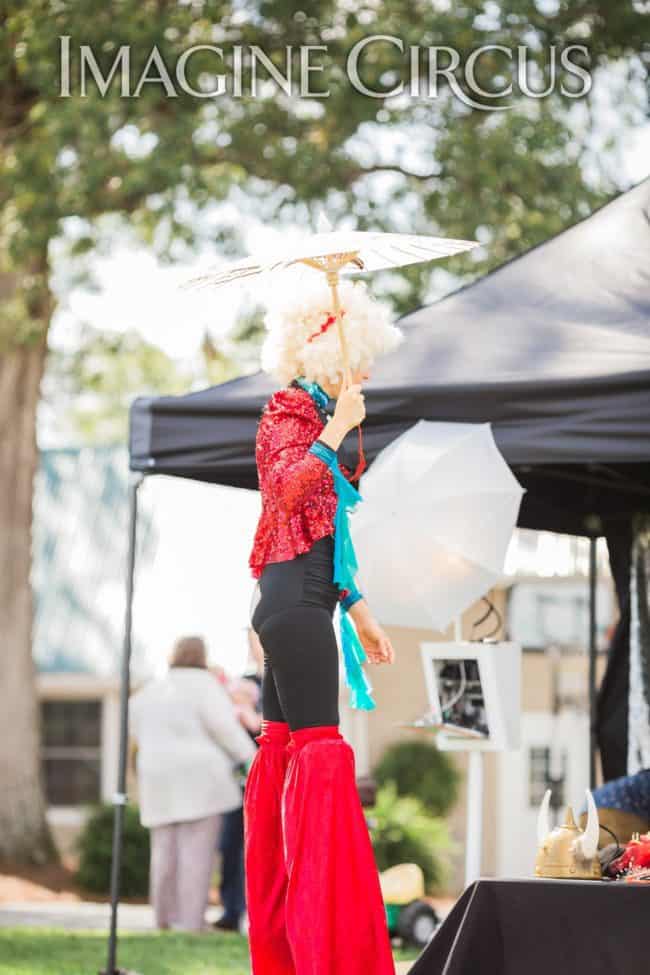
x: 291, y: 471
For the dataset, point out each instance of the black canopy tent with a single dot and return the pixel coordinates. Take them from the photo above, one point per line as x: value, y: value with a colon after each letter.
x: 553, y: 349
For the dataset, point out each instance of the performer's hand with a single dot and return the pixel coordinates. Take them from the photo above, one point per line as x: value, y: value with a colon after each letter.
x: 350, y: 408
x: 375, y: 641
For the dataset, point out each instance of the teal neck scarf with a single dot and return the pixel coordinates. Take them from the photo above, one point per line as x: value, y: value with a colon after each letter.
x: 316, y: 391
x: 345, y: 567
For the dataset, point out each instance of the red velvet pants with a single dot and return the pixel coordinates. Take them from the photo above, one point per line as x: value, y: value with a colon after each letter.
x: 312, y: 888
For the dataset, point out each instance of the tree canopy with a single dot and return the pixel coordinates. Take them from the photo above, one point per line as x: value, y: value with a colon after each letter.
x: 510, y: 178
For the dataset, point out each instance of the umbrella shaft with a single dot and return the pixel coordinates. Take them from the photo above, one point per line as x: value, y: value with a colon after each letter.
x: 333, y: 280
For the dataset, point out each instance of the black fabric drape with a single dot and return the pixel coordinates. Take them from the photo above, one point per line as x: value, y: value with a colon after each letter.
x: 541, y: 927
x: 639, y: 711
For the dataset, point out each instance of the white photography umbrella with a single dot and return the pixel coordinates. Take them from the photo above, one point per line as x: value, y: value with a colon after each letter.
x: 431, y: 534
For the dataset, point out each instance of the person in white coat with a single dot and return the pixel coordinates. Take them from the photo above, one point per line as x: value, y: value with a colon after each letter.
x: 189, y: 742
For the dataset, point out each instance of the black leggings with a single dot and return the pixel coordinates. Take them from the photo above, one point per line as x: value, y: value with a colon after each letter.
x: 293, y: 620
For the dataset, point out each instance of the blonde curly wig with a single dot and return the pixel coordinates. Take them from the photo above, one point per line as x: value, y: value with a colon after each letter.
x: 299, y: 310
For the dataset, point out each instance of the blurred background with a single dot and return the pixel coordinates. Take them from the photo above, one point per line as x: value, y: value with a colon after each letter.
x: 112, y: 193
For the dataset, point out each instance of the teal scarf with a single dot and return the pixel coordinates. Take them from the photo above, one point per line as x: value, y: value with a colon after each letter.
x: 345, y: 566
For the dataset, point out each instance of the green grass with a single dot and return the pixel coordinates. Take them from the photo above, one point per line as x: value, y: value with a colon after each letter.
x: 41, y: 951
x: 36, y: 951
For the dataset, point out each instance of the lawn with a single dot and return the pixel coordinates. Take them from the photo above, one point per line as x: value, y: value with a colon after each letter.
x: 39, y: 951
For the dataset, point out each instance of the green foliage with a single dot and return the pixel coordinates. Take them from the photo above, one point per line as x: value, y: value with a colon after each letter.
x: 419, y: 769
x: 403, y: 832
x: 87, y: 392
x: 95, y: 848
x: 159, y: 162
x: 413, y: 162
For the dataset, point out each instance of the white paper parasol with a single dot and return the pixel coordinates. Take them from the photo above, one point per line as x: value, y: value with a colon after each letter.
x: 439, y: 507
x: 336, y: 252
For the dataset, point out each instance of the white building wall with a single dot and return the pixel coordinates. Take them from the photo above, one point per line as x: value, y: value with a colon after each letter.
x: 516, y: 825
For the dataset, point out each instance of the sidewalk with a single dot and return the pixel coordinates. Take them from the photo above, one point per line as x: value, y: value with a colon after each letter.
x: 81, y: 915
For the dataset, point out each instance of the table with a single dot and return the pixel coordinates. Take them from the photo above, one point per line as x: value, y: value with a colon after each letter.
x: 543, y: 927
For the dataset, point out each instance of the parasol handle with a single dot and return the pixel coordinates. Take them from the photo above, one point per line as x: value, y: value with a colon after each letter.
x: 333, y: 281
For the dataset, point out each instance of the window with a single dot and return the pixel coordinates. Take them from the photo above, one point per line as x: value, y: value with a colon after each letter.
x: 541, y: 777
x: 556, y: 612
x: 71, y: 751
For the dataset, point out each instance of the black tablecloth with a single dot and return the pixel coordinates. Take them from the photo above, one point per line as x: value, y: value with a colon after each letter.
x: 543, y: 927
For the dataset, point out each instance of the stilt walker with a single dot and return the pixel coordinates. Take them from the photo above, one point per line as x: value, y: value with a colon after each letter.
x: 313, y: 895
x: 312, y: 886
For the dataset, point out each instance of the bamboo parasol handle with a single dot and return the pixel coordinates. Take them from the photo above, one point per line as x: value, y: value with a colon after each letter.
x: 333, y: 281
x: 330, y: 265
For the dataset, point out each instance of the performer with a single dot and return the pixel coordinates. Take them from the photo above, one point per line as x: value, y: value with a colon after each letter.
x: 312, y: 887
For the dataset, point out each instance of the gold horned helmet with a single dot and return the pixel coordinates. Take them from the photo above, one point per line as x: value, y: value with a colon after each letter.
x: 567, y: 851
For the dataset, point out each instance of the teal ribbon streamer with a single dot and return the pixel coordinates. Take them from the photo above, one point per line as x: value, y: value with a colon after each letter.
x: 345, y: 567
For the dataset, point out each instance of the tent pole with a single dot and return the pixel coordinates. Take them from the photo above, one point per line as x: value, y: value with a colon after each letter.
x: 120, y: 798
x: 593, y: 579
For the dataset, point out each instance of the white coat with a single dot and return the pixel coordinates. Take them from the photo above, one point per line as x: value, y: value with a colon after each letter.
x: 189, y: 740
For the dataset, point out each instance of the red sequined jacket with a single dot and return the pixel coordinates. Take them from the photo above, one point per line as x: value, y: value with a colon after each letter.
x: 297, y: 487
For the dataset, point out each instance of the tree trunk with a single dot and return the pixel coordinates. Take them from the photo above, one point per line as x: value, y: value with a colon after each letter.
x: 24, y: 834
